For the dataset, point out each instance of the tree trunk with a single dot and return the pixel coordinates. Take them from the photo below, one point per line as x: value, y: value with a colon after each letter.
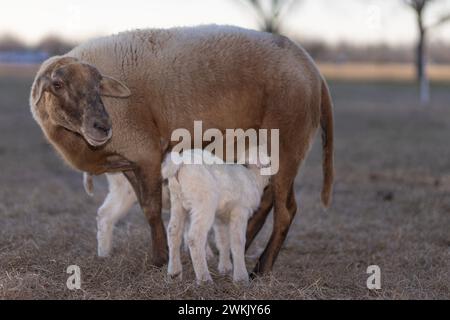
x: 422, y: 78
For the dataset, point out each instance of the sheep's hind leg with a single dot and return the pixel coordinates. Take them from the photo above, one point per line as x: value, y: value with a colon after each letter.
x: 285, y: 210
x: 259, y: 217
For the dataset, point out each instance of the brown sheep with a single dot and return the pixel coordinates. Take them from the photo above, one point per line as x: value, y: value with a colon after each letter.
x: 225, y: 76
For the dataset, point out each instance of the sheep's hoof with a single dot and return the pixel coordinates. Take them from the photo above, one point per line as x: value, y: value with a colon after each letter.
x: 253, y: 275
x: 258, y: 270
x: 159, y: 261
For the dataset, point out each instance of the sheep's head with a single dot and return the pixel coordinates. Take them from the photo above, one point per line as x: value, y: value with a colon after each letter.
x: 69, y: 93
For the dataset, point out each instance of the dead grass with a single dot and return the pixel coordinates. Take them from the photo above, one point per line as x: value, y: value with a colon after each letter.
x: 391, y: 208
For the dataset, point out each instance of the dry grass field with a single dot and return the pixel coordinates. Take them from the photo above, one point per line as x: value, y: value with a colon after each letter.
x: 391, y: 208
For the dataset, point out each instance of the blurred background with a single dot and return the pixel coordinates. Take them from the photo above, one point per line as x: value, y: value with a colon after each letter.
x: 378, y: 39
x: 388, y: 66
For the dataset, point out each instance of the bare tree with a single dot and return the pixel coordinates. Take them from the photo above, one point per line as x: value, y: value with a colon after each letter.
x: 270, y: 12
x: 419, y: 7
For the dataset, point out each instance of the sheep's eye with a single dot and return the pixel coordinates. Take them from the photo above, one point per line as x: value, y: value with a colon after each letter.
x: 57, y: 85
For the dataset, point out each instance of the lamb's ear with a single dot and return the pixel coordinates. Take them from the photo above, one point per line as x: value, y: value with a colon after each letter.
x: 41, y: 85
x: 110, y: 87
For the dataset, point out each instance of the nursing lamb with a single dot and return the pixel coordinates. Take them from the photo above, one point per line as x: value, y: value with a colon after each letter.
x: 213, y: 194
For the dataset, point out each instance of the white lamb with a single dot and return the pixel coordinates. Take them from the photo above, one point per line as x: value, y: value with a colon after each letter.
x: 220, y: 195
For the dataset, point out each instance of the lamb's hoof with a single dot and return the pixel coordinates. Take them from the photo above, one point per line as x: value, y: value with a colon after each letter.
x: 176, y: 277
x: 224, y: 270
x: 241, y: 279
x: 205, y: 280
x: 103, y: 253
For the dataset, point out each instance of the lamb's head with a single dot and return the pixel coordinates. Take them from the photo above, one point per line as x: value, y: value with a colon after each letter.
x: 255, y: 157
x: 68, y: 92
x: 258, y: 162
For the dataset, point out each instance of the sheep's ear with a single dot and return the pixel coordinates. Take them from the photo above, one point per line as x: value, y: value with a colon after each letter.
x: 42, y: 84
x: 110, y: 87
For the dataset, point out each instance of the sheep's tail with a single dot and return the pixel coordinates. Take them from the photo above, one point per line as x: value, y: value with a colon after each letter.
x: 88, y: 184
x: 169, y: 168
x: 326, y: 123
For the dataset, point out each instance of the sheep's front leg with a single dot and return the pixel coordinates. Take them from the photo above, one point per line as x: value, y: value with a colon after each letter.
x: 238, y: 228
x: 146, y: 181
x: 222, y: 236
x: 201, y: 222
x: 175, y: 236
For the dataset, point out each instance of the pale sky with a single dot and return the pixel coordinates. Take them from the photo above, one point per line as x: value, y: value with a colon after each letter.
x: 357, y: 21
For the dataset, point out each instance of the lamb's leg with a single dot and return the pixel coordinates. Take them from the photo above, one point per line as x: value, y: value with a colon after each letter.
x: 201, y: 222
x: 185, y: 238
x: 175, y: 236
x: 237, y: 231
x: 209, y: 252
x: 222, y: 236
x: 117, y: 204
